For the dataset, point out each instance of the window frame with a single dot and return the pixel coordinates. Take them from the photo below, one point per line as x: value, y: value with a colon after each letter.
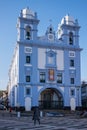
x: 28, y: 59
x: 60, y: 78
x: 72, y: 92
x: 72, y: 80
x: 70, y: 38
x: 42, y: 77
x: 51, y: 74
x: 29, y: 91
x: 72, y: 63
x: 28, y: 78
x: 28, y: 33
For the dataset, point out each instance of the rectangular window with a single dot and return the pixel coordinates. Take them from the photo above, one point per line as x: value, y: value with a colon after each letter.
x: 28, y: 35
x: 51, y: 74
x: 27, y: 59
x: 72, y: 80
x: 28, y: 78
x: 59, y: 78
x: 42, y: 77
x: 71, y: 38
x: 72, y: 92
x: 27, y: 91
x: 28, y: 49
x: 71, y: 63
x: 71, y: 54
x: 83, y: 89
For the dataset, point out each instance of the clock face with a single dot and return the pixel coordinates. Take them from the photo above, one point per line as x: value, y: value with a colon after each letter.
x: 51, y: 37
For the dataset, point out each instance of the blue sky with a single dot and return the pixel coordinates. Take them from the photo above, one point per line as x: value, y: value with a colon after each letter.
x: 46, y: 10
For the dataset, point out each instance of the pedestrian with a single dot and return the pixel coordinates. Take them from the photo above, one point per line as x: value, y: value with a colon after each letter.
x: 10, y: 111
x: 36, y: 115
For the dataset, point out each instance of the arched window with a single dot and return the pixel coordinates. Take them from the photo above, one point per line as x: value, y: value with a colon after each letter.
x: 28, y: 33
x: 50, y: 30
x: 71, y: 38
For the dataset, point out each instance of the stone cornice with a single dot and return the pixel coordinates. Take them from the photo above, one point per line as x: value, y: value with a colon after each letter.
x: 45, y: 44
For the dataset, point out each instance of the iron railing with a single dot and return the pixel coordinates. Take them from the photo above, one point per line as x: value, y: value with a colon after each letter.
x: 51, y: 104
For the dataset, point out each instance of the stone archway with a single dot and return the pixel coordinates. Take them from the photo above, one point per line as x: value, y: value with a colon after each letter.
x: 51, y: 98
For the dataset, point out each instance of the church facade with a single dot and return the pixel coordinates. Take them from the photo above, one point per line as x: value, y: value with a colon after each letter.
x: 45, y: 70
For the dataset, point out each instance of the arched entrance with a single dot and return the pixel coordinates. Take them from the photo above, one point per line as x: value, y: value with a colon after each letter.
x: 51, y: 98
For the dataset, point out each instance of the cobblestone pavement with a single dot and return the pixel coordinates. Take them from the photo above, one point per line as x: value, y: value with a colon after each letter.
x: 47, y: 123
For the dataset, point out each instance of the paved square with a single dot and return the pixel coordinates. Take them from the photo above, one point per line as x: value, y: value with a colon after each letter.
x: 71, y: 122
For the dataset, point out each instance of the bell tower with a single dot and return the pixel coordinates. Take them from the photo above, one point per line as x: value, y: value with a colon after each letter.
x: 50, y: 33
x: 27, y: 25
x: 68, y: 31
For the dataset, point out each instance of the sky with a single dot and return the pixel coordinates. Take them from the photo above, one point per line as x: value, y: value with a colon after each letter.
x: 46, y: 10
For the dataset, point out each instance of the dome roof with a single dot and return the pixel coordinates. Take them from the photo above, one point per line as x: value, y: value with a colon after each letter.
x: 27, y: 13
x: 68, y: 20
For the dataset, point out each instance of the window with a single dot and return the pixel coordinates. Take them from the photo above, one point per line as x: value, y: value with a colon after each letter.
x: 28, y: 33
x: 71, y: 54
x: 27, y: 59
x: 28, y: 78
x: 51, y: 74
x: 72, y: 80
x: 83, y: 89
x: 42, y: 77
x: 50, y: 30
x: 27, y: 91
x: 72, y: 92
x: 71, y: 38
x: 71, y: 63
x: 28, y: 50
x: 59, y: 78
